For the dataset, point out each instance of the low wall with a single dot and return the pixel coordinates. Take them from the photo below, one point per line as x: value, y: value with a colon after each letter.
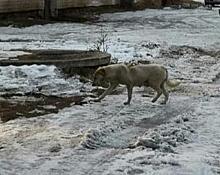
x: 142, y: 4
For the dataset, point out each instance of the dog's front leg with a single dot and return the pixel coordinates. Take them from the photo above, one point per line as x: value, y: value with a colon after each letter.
x: 129, y: 88
x: 108, y: 91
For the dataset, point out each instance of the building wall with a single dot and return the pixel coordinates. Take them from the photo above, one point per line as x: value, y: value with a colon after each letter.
x: 142, y: 4
x: 7, y: 6
x: 62, y: 4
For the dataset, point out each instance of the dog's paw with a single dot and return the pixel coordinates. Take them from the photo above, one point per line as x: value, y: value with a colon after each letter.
x: 126, y: 103
x: 163, y: 102
x: 96, y: 100
x: 153, y: 101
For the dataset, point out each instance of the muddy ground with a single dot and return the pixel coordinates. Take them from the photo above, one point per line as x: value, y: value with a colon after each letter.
x: 33, y: 105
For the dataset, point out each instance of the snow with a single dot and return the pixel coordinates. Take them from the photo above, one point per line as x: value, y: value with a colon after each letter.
x: 24, y: 79
x: 181, y: 137
x: 202, y: 1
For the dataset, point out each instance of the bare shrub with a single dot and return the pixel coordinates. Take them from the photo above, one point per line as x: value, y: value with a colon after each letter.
x: 101, y: 44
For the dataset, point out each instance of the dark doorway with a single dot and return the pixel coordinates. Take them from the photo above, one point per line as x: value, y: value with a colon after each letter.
x: 126, y: 3
x: 164, y: 3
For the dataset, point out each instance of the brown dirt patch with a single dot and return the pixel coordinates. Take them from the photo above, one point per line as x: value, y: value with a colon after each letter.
x: 33, y: 105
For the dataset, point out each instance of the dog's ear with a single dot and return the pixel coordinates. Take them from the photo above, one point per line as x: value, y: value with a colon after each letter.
x: 101, y: 71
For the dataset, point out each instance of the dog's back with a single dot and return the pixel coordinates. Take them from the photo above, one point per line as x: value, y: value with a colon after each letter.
x: 152, y: 74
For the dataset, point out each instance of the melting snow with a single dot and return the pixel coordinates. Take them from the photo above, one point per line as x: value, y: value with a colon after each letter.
x: 108, y: 137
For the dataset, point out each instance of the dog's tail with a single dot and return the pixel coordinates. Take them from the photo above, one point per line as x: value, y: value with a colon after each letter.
x: 171, y: 83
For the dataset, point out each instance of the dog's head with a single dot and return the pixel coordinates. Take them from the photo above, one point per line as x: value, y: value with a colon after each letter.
x: 99, y: 76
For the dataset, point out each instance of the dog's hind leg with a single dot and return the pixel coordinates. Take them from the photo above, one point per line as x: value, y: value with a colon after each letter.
x: 108, y: 91
x: 159, y: 92
x: 165, y: 93
x: 129, y: 88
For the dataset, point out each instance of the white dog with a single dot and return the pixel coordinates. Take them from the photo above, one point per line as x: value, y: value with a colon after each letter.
x: 149, y: 75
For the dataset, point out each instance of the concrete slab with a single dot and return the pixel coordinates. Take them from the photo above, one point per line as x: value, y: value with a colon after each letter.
x: 60, y: 58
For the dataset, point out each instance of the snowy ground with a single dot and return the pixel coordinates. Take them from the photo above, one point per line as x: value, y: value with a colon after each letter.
x: 181, y: 137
